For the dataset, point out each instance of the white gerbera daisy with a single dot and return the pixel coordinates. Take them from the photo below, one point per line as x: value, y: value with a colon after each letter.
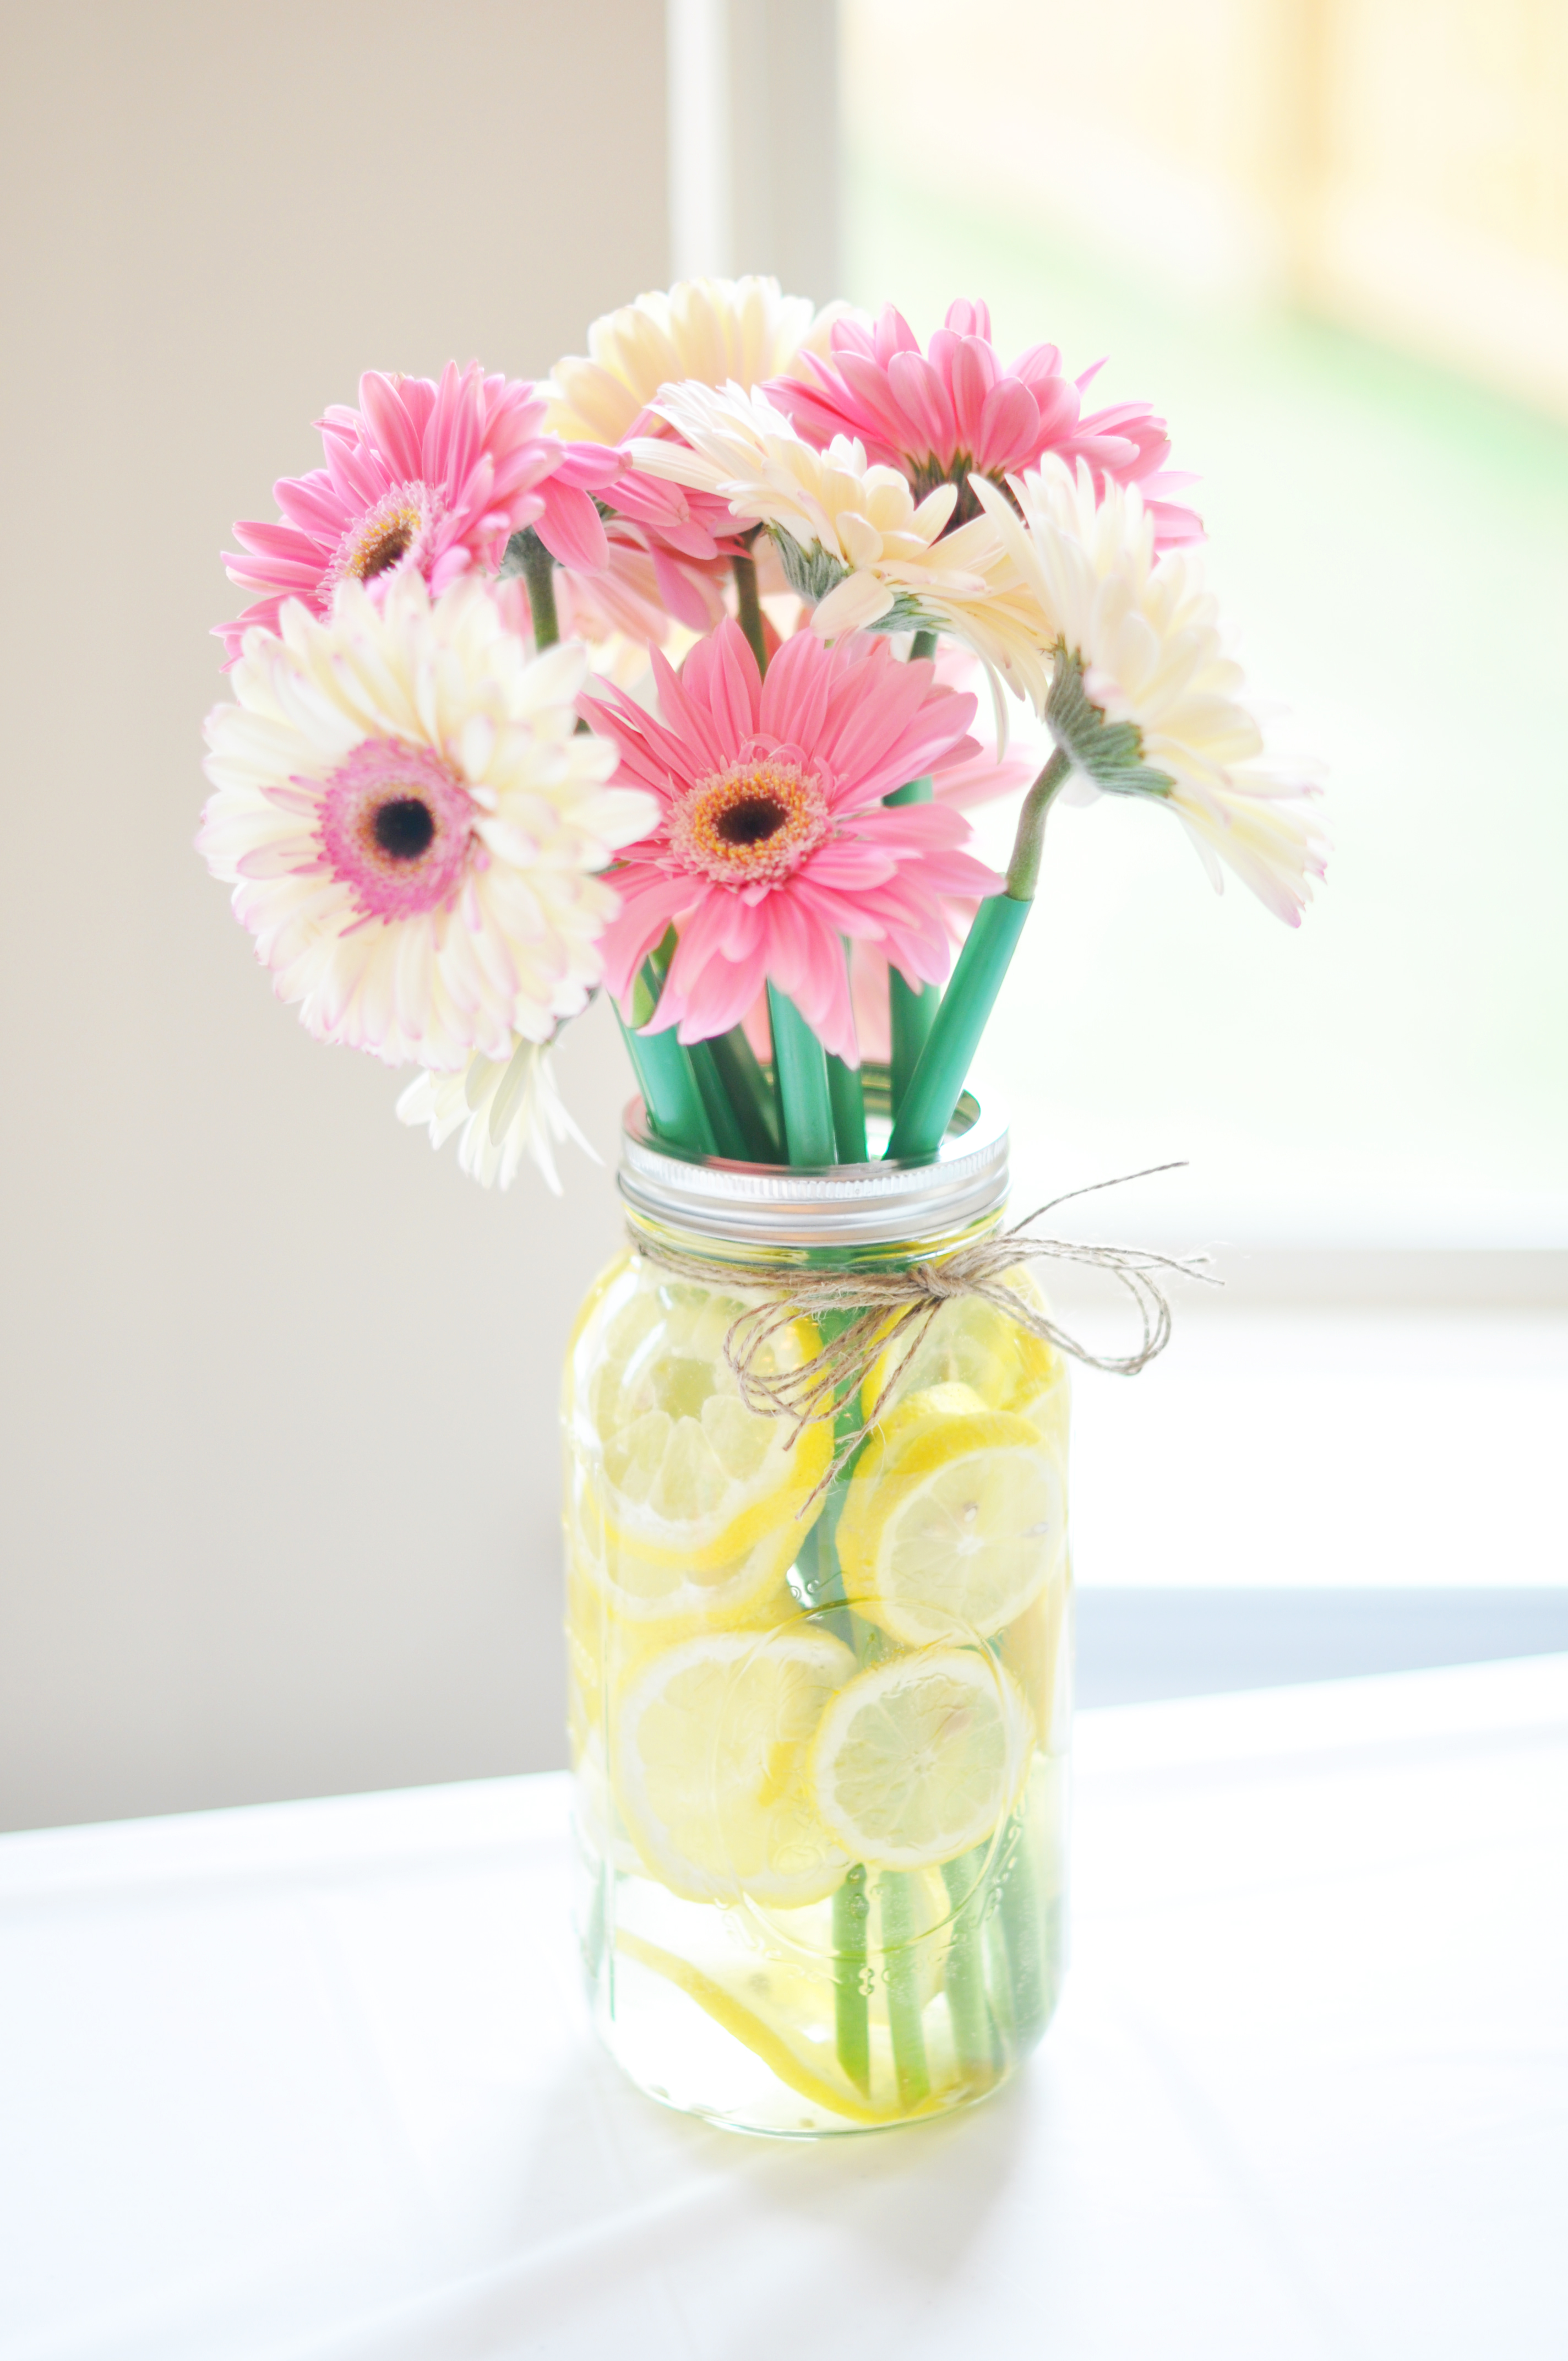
x: 850, y: 537
x: 506, y: 1108
x: 411, y: 823
x: 1143, y: 698
x: 714, y: 330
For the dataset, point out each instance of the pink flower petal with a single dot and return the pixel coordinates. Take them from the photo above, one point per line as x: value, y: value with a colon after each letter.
x: 428, y: 477
x: 957, y: 407
x: 389, y: 422
x: 833, y: 727
x: 571, y: 529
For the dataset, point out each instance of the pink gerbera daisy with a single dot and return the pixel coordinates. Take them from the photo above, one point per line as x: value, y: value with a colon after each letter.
x: 773, y: 843
x: 423, y: 478
x: 954, y: 411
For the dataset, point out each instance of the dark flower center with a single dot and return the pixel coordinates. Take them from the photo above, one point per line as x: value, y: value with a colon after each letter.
x: 404, y: 828
x: 386, y: 551
x: 751, y: 820
x: 752, y: 824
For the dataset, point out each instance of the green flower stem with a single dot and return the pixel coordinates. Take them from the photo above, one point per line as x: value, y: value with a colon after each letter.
x: 821, y: 1582
x: 665, y: 1072
x: 975, y: 2043
x: 751, y: 1094
x: 912, y: 1008
x: 750, y: 607
x: 922, y: 1121
x: 921, y: 1124
x: 539, y: 572
x: 1024, y: 1942
x: 848, y: 1101
x: 729, y: 1138
x: 800, y: 1063
x: 851, y: 2008
x: 1030, y: 839
x: 923, y: 647
x: 822, y: 1579
x: 912, y: 1016
x: 899, y: 1971
x: 820, y: 1570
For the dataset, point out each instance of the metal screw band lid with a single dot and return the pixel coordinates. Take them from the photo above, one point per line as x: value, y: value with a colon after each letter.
x: 829, y: 1205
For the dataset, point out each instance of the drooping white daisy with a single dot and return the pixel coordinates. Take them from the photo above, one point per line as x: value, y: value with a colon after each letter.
x: 851, y: 537
x: 506, y: 1108
x: 412, y: 824
x: 1143, y: 696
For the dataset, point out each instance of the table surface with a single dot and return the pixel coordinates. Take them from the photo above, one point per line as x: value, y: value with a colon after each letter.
x: 315, y: 2081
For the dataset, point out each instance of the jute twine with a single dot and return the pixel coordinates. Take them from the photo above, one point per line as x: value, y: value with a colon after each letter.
x: 891, y: 1310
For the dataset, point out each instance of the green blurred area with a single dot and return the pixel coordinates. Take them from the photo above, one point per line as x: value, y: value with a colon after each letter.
x: 1394, y: 545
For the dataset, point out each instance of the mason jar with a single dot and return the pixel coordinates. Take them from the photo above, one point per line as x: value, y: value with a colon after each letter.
x: 820, y: 1679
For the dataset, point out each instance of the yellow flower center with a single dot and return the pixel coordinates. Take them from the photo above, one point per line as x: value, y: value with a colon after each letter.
x: 400, y: 526
x: 751, y: 824
x: 392, y: 539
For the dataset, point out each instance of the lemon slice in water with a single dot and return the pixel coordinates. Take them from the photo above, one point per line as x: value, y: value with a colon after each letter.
x: 662, y: 1592
x: 917, y: 1758
x: 710, y: 1766
x: 954, y: 1519
x: 970, y: 1342
x: 688, y: 1478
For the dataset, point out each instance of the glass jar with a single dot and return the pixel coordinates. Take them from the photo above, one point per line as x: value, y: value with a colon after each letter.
x: 820, y: 1721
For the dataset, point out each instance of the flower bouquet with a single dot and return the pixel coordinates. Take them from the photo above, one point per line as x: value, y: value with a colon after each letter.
x: 663, y: 677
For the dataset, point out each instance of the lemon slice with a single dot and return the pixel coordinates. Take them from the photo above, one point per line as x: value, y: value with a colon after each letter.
x: 1036, y: 1651
x: 659, y: 1591
x: 954, y: 1517
x: 970, y: 1342
x: 781, y: 2038
x: 688, y: 1478
x: 917, y: 1758
x: 710, y: 1766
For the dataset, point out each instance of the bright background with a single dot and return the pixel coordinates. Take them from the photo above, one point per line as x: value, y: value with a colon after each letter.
x: 1279, y: 221
x: 277, y: 1499
x: 1330, y: 239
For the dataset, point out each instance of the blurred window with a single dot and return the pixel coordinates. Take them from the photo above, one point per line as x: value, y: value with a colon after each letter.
x: 1329, y: 238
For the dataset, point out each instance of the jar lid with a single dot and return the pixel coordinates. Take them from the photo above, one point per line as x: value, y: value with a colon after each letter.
x: 823, y: 1205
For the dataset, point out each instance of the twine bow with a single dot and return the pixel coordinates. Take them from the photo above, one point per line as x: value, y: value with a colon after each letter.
x: 890, y: 1312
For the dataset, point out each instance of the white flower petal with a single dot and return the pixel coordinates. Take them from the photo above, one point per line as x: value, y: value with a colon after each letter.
x: 506, y: 1108
x: 715, y: 330
x: 1146, y: 635
x: 858, y: 599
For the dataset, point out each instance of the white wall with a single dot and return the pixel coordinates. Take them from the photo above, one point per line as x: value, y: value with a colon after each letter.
x: 277, y: 1431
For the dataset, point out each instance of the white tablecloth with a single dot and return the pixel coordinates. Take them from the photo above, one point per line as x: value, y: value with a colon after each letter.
x: 313, y: 2083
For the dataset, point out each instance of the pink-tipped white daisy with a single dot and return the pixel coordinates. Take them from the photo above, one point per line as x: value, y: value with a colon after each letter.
x: 1143, y: 697
x: 423, y: 478
x: 412, y: 824
x: 955, y: 410
x: 507, y: 1109
x: 773, y: 841
x: 851, y: 538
